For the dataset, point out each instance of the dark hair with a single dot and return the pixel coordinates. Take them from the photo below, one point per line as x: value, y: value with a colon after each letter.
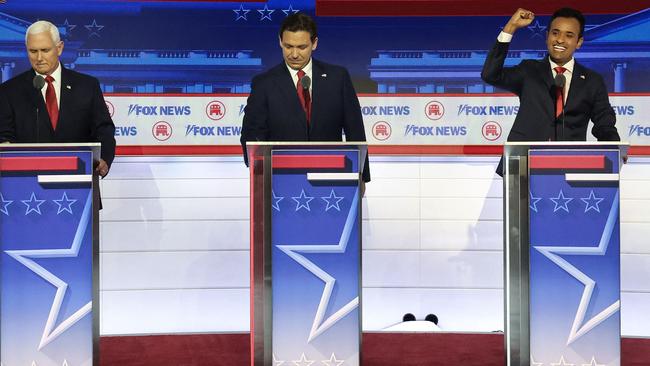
x: 570, y: 13
x: 299, y: 22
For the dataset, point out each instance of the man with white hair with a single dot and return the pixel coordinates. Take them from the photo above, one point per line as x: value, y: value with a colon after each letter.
x: 50, y: 103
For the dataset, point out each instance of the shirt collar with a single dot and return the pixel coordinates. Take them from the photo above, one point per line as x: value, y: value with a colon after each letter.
x: 56, y: 74
x: 306, y: 69
x: 568, y: 66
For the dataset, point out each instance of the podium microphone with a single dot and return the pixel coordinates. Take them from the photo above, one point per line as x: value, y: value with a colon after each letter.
x: 38, y: 82
x: 560, y: 81
x: 305, y: 82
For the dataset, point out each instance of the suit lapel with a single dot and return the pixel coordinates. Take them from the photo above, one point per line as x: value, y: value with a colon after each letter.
x: 578, y: 80
x: 65, y: 95
x: 318, y: 78
x: 290, y: 95
x: 549, y: 87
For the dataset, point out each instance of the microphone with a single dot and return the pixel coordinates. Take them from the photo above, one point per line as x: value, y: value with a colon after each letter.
x: 305, y: 82
x: 38, y: 82
x: 560, y: 81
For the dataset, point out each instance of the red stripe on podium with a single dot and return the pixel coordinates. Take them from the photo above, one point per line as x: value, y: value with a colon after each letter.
x: 32, y: 163
x: 567, y: 162
x: 308, y: 162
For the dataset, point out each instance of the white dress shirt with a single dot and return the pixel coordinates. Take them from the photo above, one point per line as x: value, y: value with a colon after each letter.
x: 306, y: 69
x: 56, y: 83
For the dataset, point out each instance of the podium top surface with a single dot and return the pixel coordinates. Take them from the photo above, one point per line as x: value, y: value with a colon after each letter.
x: 307, y: 143
x: 522, y: 147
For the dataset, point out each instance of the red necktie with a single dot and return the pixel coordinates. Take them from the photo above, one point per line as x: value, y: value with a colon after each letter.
x: 303, y: 95
x: 50, y: 102
x: 559, y: 94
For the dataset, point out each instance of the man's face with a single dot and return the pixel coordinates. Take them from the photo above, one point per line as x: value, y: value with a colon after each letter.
x: 562, y: 39
x: 43, y: 53
x: 297, y: 48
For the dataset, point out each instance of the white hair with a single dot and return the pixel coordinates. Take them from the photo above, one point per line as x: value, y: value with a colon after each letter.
x: 44, y: 26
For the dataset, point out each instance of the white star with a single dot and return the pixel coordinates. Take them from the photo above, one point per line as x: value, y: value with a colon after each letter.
x: 50, y: 333
x: 277, y: 362
x: 533, y: 202
x: 333, y: 361
x: 276, y: 201
x: 266, y: 12
x: 319, y: 325
x: 330, y: 204
x: 299, y: 201
x: 290, y: 10
x: 533, y: 363
x: 579, y: 327
x: 32, y: 200
x: 592, y: 202
x: 5, y: 204
x: 303, y: 361
x: 241, y: 12
x: 592, y: 363
x: 562, y: 362
x: 64, y: 203
x: 564, y: 202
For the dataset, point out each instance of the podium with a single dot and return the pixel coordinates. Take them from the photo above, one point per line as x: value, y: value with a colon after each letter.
x: 305, y: 219
x: 562, y: 252
x: 49, y: 254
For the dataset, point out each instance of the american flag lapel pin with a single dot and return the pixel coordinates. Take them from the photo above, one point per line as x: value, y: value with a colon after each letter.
x: 323, y: 75
x: 582, y: 77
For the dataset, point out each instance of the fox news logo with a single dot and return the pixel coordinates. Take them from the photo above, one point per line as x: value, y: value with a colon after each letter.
x: 623, y: 110
x: 126, y: 131
x: 195, y: 130
x: 638, y: 130
x: 484, y: 110
x: 413, y: 130
x: 386, y: 110
x: 159, y: 110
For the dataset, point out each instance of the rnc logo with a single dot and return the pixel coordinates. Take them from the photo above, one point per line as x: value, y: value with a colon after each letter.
x: 215, y: 110
x: 381, y: 131
x: 162, y: 131
x: 111, y: 108
x: 434, y: 110
x: 491, y: 130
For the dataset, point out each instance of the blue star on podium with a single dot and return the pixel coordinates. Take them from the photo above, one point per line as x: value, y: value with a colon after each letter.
x: 33, y: 204
x: 332, y: 201
x: 592, y: 202
x: 319, y: 324
x: 580, y: 327
x: 5, y: 203
x: 302, y: 201
x: 65, y: 204
x: 25, y: 257
x: 561, y: 202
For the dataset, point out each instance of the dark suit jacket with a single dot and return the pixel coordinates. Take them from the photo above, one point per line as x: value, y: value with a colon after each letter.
x: 273, y: 111
x: 83, y: 115
x: 532, y: 81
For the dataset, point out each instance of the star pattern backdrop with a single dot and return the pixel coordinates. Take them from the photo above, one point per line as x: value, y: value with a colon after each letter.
x: 575, y: 262
x: 316, y: 265
x: 46, y: 267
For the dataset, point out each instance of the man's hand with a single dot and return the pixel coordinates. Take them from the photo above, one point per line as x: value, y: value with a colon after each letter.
x: 101, y: 168
x: 521, y: 18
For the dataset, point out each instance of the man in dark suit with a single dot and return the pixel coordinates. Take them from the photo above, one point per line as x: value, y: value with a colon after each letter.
x: 69, y: 106
x: 542, y: 114
x: 284, y: 106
